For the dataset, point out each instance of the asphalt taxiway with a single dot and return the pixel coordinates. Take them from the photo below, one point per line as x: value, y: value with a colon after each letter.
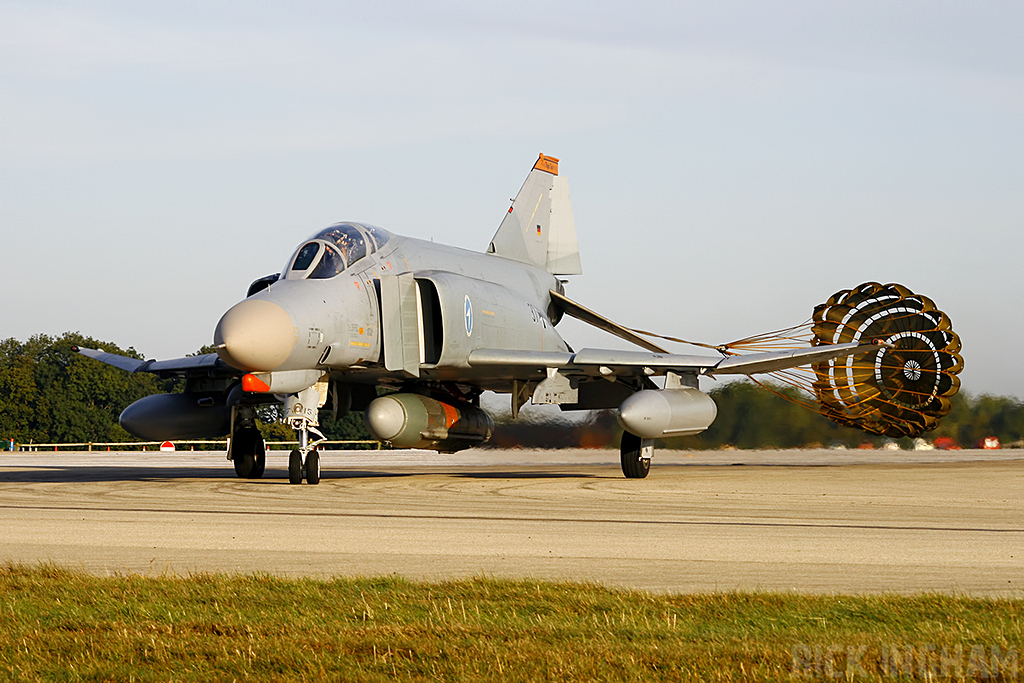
x: 810, y: 521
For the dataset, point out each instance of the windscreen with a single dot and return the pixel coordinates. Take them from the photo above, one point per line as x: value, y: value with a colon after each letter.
x: 305, y: 257
x: 330, y: 265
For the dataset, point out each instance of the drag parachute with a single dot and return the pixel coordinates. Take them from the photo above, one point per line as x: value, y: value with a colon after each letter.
x: 903, y: 388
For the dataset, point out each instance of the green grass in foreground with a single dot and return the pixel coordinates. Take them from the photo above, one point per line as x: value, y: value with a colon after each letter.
x: 61, y: 625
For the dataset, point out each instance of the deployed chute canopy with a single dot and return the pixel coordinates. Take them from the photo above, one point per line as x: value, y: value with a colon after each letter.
x: 902, y: 389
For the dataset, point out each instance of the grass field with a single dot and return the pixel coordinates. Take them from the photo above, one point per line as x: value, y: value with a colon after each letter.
x: 68, y: 626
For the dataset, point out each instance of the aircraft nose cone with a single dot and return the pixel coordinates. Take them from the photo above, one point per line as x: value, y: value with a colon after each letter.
x: 255, y: 335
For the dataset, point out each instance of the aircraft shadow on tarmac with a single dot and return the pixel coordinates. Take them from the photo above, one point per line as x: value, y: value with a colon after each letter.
x: 56, y: 475
x: 529, y: 475
x: 110, y: 473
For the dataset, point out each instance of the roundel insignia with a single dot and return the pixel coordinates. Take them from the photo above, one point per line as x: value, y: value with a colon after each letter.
x: 469, y: 317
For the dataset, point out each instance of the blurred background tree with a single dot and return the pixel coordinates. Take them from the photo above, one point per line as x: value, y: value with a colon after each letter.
x: 49, y: 393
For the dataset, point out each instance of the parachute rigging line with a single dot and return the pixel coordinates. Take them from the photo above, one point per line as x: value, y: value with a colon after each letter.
x: 903, y: 387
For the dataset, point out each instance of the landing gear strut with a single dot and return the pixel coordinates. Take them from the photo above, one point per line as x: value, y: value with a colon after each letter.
x: 301, y: 414
x: 635, y: 454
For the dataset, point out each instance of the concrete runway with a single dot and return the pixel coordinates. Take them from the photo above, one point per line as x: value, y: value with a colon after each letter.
x: 810, y: 521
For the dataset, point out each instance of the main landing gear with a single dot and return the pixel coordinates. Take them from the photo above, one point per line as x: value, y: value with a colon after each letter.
x: 635, y: 454
x: 248, y: 452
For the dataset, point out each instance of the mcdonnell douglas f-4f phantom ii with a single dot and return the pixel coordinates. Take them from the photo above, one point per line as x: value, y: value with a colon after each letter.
x: 357, y: 308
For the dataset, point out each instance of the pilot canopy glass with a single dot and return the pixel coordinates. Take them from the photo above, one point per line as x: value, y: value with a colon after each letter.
x: 332, y: 249
x: 378, y: 235
x: 347, y: 238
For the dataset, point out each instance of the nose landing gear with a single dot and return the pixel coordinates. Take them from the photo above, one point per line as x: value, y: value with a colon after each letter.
x: 305, y: 460
x: 301, y: 411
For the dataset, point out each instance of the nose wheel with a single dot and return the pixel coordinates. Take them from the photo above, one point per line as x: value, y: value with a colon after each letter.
x: 305, y: 460
x: 313, y: 468
x: 295, y: 467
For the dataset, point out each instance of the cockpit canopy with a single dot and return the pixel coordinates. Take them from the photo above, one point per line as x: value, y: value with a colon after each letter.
x: 331, y: 250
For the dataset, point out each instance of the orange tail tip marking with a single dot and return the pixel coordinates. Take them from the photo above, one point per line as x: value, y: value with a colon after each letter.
x: 549, y: 164
x: 254, y: 384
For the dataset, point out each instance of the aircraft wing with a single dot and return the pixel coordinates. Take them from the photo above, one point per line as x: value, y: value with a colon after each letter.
x: 176, y: 366
x: 607, y: 362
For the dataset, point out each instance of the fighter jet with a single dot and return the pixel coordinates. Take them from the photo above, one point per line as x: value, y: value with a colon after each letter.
x: 412, y: 333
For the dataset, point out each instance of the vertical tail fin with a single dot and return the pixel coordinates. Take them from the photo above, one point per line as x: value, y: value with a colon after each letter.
x: 538, y: 228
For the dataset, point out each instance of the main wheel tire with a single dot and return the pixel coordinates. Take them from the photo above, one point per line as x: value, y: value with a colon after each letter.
x: 295, y: 467
x: 259, y: 462
x: 633, y: 466
x: 244, y: 464
x: 249, y: 453
x: 313, y: 468
x: 258, y: 448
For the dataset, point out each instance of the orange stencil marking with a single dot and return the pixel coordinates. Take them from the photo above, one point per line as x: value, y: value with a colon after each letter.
x: 451, y: 415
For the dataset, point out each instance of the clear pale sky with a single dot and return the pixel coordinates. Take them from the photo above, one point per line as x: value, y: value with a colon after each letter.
x: 731, y: 164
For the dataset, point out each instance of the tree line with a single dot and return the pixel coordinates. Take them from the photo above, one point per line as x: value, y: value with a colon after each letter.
x: 750, y: 416
x: 50, y: 394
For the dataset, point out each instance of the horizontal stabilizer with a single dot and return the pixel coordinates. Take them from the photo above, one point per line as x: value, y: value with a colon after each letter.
x: 588, y: 316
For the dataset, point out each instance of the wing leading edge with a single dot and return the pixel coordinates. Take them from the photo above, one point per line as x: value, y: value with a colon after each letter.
x: 174, y: 366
